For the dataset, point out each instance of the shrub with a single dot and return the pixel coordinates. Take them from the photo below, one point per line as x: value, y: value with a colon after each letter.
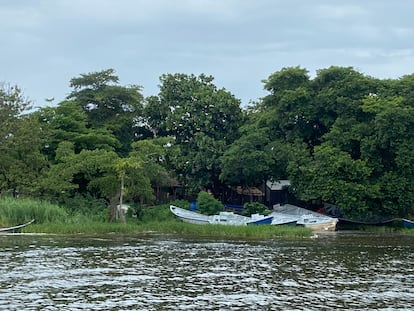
x: 254, y: 208
x: 207, y: 204
x: 85, y: 205
x: 156, y: 213
x: 180, y: 203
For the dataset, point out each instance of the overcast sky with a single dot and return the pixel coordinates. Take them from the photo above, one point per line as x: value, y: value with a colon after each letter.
x: 45, y: 43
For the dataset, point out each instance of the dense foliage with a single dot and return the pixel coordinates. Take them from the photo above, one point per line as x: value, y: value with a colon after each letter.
x: 255, y: 208
x: 341, y: 137
x: 207, y: 204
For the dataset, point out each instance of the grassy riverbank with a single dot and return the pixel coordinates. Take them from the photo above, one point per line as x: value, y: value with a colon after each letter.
x: 53, y: 219
x: 174, y: 227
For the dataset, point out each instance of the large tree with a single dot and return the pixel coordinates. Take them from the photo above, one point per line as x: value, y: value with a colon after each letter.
x: 21, y: 142
x: 333, y: 176
x: 109, y: 106
x: 390, y: 152
x: 342, y: 138
x: 68, y: 122
x: 364, y: 160
x: 247, y: 162
x: 203, y: 120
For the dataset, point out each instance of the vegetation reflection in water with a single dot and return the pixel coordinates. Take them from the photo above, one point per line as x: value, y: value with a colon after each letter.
x: 347, y: 271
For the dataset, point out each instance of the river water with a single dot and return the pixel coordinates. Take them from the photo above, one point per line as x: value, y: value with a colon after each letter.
x: 342, y: 270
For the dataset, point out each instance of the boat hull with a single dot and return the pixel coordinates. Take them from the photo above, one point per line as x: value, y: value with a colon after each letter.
x: 281, y: 219
x: 189, y: 216
x: 306, y: 218
x: 262, y: 221
x: 15, y: 229
x: 409, y: 224
x: 285, y: 223
x: 329, y: 225
x: 194, y: 221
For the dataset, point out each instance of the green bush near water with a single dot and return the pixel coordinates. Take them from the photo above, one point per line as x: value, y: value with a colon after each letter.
x: 207, y: 204
x: 159, y: 213
x: 255, y: 208
x: 85, y: 205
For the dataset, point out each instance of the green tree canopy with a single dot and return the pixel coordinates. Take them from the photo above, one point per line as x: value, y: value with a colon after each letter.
x: 68, y: 122
x: 247, y: 162
x: 109, y: 106
x: 203, y: 120
x: 21, y: 142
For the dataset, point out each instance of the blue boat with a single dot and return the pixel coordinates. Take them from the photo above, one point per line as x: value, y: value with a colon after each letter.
x: 409, y: 224
x: 258, y: 219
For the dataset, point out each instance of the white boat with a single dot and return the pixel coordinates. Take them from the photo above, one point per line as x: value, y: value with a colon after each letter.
x: 307, y: 218
x: 223, y: 218
x: 318, y: 223
x: 189, y: 216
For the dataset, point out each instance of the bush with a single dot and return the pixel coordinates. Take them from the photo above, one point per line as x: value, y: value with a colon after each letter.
x: 255, y: 208
x: 85, y: 205
x: 156, y: 213
x: 208, y: 205
x: 180, y: 203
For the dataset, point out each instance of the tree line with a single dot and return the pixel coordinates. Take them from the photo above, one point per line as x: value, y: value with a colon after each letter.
x: 341, y: 137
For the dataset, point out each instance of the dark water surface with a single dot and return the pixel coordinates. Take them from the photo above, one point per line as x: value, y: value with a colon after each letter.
x: 346, y: 271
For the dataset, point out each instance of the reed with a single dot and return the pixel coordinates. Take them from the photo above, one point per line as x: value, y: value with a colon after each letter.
x: 16, y: 211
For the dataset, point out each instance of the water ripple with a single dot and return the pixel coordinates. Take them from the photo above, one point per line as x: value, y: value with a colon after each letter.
x: 161, y: 273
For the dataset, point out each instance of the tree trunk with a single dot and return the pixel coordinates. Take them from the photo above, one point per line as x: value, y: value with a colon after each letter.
x: 121, y: 198
x: 112, y: 205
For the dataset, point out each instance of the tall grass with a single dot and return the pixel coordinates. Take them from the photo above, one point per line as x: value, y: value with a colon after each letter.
x: 16, y: 211
x: 223, y: 231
